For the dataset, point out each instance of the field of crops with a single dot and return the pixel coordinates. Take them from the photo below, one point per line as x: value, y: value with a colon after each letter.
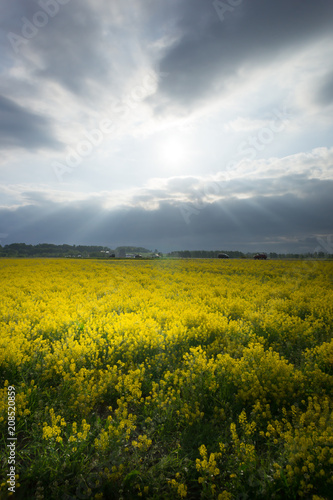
x: 166, y: 379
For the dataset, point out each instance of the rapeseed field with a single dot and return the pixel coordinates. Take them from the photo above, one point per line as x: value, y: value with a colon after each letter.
x: 197, y: 379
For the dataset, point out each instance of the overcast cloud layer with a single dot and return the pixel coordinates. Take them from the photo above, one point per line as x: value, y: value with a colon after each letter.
x: 185, y: 124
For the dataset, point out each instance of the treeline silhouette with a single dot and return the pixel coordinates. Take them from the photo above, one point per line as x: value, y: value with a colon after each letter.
x: 79, y: 251
x: 50, y: 250
x: 102, y: 252
x: 235, y: 254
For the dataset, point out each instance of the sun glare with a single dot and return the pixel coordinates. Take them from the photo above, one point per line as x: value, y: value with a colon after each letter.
x: 173, y: 151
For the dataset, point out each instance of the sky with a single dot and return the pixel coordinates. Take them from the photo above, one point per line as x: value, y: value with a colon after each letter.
x: 173, y: 125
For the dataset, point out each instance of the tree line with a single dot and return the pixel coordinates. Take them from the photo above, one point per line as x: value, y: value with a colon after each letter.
x: 235, y: 254
x: 50, y: 250
x: 70, y: 251
x: 103, y: 252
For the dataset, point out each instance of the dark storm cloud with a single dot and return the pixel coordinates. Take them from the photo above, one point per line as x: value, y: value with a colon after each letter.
x: 198, y: 190
x: 229, y: 223
x: 72, y: 46
x: 73, y: 51
x: 75, y: 45
x: 22, y: 128
x: 209, y: 54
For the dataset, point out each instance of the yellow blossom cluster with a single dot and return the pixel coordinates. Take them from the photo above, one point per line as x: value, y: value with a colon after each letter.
x: 180, y: 488
x: 79, y: 436
x: 55, y: 429
x: 142, y: 443
x: 207, y: 465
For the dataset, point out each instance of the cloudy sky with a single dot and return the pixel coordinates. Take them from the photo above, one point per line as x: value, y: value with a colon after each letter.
x: 178, y: 124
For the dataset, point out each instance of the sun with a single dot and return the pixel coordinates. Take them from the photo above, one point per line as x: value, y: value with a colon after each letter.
x: 173, y: 151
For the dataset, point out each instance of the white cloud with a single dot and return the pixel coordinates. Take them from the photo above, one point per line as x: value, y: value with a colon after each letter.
x: 270, y: 177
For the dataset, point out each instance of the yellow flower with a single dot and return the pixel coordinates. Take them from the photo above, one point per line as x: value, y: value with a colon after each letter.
x: 174, y: 343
